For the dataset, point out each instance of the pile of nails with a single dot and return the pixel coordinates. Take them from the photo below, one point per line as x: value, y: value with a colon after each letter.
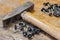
x: 51, y: 9
x: 30, y: 32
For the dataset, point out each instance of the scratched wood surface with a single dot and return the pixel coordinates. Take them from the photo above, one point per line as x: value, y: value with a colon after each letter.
x: 7, y: 6
x: 51, y: 22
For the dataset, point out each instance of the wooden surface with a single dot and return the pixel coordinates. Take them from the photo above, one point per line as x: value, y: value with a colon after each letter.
x: 10, y: 35
x: 49, y: 24
x: 7, y: 6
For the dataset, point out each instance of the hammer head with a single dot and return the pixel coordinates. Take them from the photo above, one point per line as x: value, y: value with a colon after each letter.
x: 15, y: 14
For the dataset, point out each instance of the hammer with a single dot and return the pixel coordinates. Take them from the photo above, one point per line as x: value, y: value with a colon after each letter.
x: 24, y: 11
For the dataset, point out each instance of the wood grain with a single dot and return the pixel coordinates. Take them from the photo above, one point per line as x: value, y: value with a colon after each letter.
x: 52, y: 23
x: 49, y: 24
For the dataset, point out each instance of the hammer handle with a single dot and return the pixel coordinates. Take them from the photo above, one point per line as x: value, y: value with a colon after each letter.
x: 28, y: 17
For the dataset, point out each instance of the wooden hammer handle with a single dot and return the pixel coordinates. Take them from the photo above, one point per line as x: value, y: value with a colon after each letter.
x: 28, y: 17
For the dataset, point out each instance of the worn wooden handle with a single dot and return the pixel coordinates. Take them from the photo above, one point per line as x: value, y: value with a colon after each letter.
x: 28, y: 17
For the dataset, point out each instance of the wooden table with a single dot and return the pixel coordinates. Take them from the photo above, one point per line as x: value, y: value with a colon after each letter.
x: 53, y: 23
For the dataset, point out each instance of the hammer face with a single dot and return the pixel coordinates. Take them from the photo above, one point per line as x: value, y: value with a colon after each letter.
x: 15, y: 14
